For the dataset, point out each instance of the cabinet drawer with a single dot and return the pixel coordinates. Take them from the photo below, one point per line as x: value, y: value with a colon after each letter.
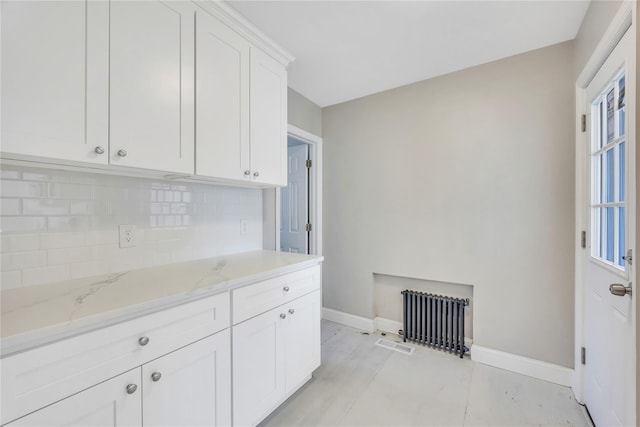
x: 44, y: 375
x: 254, y: 299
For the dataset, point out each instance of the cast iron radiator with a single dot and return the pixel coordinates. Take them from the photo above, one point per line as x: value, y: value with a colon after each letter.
x: 434, y: 320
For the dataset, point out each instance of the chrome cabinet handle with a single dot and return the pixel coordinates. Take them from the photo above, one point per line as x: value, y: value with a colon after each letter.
x: 283, y: 316
x: 286, y: 289
x: 256, y: 174
x: 155, y: 377
x: 291, y: 311
x: 620, y: 290
x: 99, y: 150
x: 122, y: 153
x: 131, y: 388
x: 247, y: 172
x: 143, y: 341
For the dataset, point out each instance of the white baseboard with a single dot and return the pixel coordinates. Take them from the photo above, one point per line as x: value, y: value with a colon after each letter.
x: 523, y: 365
x: 347, y: 319
x: 386, y: 325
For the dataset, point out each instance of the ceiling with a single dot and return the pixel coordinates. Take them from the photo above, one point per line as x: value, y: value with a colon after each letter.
x: 349, y: 49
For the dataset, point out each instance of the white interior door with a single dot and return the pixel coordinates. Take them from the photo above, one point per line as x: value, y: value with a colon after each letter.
x: 294, y: 236
x: 609, y: 372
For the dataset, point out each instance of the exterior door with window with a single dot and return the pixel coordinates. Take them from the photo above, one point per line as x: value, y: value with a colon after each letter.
x: 609, y: 372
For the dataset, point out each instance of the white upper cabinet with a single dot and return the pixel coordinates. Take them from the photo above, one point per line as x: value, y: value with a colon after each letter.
x: 268, y: 119
x: 151, y: 91
x: 170, y: 86
x: 222, y: 100
x: 55, y: 58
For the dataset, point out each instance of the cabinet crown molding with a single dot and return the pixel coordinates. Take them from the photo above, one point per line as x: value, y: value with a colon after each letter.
x: 229, y: 16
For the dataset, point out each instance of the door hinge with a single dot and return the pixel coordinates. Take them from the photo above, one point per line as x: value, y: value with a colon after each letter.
x: 308, y: 227
x: 583, y: 239
x: 583, y: 123
x: 628, y: 257
x: 308, y: 164
x: 583, y: 355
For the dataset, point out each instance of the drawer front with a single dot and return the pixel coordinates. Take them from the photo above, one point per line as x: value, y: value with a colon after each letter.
x: 44, y: 375
x: 260, y: 297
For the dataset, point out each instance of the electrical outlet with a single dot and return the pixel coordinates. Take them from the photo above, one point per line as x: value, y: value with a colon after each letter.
x: 244, y: 226
x: 127, y: 236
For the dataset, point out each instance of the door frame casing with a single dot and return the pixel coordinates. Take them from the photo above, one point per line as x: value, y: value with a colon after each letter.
x: 271, y: 226
x: 623, y: 21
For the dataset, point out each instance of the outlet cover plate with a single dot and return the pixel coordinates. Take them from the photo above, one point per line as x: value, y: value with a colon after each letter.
x: 127, y: 236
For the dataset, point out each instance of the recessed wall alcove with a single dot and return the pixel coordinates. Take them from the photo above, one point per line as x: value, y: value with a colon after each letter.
x: 387, y: 300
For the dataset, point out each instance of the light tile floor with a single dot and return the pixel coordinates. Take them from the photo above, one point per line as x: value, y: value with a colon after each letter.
x: 361, y: 384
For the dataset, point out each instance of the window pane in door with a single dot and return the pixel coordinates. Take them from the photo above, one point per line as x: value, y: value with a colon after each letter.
x: 608, y: 243
x: 621, y: 172
x: 621, y: 228
x: 621, y: 105
x: 608, y: 177
x: 610, y: 109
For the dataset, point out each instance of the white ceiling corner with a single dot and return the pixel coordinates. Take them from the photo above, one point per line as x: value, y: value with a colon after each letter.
x: 349, y: 49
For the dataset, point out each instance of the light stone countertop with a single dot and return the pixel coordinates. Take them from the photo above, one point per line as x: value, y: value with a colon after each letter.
x: 37, y: 315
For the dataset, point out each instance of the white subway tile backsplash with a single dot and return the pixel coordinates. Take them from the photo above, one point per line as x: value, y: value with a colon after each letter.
x: 19, y: 242
x: 10, y: 206
x: 67, y: 255
x: 69, y: 191
x: 45, y: 207
x: 38, y: 276
x: 10, y: 188
x: 11, y: 279
x: 57, y: 225
x: 22, y: 224
x: 22, y: 260
x: 62, y: 240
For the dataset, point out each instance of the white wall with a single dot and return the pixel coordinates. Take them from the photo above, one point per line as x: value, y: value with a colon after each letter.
x: 466, y: 178
x: 57, y: 225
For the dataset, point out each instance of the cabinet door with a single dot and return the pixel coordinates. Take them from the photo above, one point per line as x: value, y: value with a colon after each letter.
x: 222, y: 100
x: 302, y: 340
x: 258, y: 367
x: 55, y: 79
x: 190, y: 386
x: 151, y: 85
x: 106, y: 404
x: 268, y: 119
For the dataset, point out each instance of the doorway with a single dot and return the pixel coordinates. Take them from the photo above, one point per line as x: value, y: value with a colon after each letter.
x: 605, y: 213
x: 295, y: 224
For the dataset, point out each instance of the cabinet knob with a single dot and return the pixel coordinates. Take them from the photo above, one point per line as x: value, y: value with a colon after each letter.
x: 256, y: 174
x: 291, y: 311
x: 155, y: 377
x: 131, y: 388
x: 122, y: 153
x: 283, y: 316
x: 99, y: 150
x: 247, y: 172
x: 286, y: 289
x: 143, y: 341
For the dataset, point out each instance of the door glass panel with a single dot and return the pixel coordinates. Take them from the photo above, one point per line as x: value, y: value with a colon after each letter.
x: 610, y: 108
x: 621, y: 248
x: 608, y: 177
x: 621, y: 172
x: 621, y: 105
x: 609, y: 222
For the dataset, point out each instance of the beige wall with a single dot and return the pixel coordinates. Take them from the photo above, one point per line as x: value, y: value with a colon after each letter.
x: 303, y: 113
x: 595, y: 23
x: 466, y: 178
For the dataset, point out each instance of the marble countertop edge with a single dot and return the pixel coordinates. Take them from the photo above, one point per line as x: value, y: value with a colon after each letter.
x: 26, y: 340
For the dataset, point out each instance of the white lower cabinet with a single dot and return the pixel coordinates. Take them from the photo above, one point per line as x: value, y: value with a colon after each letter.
x: 188, y: 387
x: 273, y: 355
x: 106, y: 404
